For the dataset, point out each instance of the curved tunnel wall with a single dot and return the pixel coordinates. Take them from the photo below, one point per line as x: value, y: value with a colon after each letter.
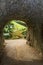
x: 30, y: 11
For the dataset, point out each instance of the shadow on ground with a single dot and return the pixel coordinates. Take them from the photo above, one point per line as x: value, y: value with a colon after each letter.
x: 9, y: 61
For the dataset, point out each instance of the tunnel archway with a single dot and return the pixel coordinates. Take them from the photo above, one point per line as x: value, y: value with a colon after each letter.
x: 30, y: 36
x: 2, y: 39
x: 23, y: 10
x: 29, y: 42
x: 15, y: 29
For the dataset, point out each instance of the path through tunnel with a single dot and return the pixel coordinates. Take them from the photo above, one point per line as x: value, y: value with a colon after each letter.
x: 31, y: 12
x: 18, y: 50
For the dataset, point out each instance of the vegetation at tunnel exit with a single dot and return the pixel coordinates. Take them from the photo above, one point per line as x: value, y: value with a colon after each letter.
x: 15, y: 29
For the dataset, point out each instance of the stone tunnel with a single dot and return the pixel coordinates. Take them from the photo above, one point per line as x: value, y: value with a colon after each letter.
x: 29, y: 11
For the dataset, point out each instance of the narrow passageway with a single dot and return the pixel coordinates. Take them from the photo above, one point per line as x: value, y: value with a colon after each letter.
x: 19, y: 53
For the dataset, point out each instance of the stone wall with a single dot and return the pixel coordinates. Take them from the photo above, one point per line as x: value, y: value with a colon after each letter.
x: 30, y: 11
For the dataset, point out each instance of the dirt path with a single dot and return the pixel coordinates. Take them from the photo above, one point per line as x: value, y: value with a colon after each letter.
x: 19, y: 53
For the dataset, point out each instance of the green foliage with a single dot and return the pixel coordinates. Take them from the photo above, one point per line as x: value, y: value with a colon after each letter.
x: 16, y: 34
x: 14, y: 30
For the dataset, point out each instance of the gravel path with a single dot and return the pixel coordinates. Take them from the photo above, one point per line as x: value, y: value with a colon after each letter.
x: 19, y: 53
